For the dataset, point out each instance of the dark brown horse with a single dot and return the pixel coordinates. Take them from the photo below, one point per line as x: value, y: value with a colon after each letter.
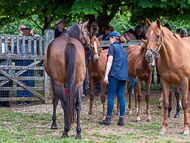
x: 96, y: 71
x: 65, y: 63
x: 173, y: 64
x: 140, y: 69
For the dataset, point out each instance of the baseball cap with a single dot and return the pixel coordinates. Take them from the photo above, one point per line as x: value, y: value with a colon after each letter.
x: 114, y: 33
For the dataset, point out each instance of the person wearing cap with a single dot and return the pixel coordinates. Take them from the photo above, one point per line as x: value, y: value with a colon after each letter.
x: 116, y: 75
x: 94, y: 29
x: 59, y: 27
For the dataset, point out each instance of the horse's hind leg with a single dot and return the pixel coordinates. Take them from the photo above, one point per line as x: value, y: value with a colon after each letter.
x: 92, y: 86
x: 78, y: 109
x: 147, y: 97
x: 177, y: 100
x: 170, y: 102
x: 138, y: 85
x: 160, y: 101
x: 55, y: 101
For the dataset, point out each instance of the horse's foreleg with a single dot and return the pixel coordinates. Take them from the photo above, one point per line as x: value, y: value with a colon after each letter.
x: 92, y: 86
x: 160, y: 101
x: 185, y: 87
x: 138, y: 82
x: 166, y: 90
x: 170, y: 102
x: 103, y: 98
x: 129, y: 88
x: 136, y: 96
x: 177, y: 100
x: 147, y: 98
x: 78, y: 109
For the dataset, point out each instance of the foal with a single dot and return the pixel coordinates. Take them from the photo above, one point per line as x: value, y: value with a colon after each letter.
x: 140, y: 69
x: 96, y: 70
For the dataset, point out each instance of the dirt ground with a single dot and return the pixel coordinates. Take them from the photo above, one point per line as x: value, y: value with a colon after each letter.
x: 141, y: 132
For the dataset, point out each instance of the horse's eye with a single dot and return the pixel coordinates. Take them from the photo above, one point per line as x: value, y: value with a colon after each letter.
x: 158, y: 36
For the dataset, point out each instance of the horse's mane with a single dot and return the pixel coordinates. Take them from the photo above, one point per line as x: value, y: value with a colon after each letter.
x: 175, y: 35
x: 72, y: 31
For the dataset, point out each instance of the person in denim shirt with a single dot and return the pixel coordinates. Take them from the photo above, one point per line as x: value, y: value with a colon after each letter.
x: 30, y: 83
x: 116, y: 76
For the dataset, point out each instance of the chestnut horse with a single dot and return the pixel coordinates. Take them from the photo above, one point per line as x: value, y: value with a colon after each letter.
x: 173, y: 64
x: 96, y: 71
x: 140, y: 69
x: 65, y: 63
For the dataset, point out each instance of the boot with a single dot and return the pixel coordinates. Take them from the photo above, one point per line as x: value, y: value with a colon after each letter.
x: 107, y: 121
x: 121, y: 121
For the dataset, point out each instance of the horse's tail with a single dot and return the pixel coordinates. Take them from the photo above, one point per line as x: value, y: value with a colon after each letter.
x: 70, y: 57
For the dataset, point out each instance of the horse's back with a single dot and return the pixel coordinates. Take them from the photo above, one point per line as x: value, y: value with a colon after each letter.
x: 55, y: 64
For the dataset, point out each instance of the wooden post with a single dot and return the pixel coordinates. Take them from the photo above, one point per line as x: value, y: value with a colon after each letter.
x: 49, y: 36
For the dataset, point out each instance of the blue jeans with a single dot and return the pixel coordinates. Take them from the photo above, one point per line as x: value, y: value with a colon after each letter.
x: 115, y: 86
x: 30, y: 83
x: 158, y: 75
x: 133, y: 82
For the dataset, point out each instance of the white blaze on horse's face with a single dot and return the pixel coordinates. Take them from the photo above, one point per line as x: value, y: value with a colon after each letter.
x: 151, y: 32
x: 95, y: 46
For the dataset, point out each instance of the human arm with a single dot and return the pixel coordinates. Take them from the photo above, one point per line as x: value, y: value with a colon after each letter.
x: 108, y: 67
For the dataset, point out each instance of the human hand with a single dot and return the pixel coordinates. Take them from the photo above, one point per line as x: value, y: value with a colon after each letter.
x: 32, y: 32
x: 106, y: 80
x: 21, y: 33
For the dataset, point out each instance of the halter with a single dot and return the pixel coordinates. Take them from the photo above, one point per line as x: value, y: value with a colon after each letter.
x: 157, y: 51
x: 82, y: 29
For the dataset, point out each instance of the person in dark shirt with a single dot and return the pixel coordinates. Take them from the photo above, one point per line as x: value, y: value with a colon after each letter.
x: 116, y: 76
x: 138, y: 32
x: 59, y: 27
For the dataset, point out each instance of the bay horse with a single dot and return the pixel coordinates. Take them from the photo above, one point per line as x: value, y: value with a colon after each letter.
x: 140, y: 69
x: 65, y: 63
x: 173, y: 64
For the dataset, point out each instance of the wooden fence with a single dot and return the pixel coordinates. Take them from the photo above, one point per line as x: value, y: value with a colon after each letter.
x: 10, y: 49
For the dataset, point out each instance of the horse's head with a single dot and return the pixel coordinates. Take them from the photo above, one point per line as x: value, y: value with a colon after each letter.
x: 84, y: 36
x: 154, y: 40
x: 95, y: 47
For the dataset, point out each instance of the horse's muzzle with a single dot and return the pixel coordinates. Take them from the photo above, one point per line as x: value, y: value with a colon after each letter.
x: 149, y: 57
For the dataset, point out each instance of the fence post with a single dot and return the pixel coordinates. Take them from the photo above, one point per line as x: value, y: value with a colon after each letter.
x: 49, y: 36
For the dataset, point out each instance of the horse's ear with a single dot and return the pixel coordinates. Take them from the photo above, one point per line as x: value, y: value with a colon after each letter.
x: 148, y: 22
x: 100, y: 37
x: 158, y: 22
x: 85, y: 24
x: 144, y: 41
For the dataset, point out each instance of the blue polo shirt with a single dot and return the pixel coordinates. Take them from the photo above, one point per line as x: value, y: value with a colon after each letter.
x: 119, y: 68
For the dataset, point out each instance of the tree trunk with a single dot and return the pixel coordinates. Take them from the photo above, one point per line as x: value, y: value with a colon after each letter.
x: 47, y: 24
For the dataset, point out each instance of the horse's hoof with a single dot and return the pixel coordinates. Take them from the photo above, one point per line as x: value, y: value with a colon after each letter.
x: 162, y: 132
x: 78, y: 137
x: 160, y: 107
x: 176, y: 116
x: 54, y: 127
x: 130, y: 112
x: 65, y: 135
x: 138, y: 121
x: 149, y: 120
x: 185, y: 132
x: 86, y: 119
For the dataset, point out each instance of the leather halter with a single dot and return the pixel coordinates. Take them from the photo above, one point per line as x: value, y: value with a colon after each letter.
x: 82, y: 29
x: 157, y: 51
